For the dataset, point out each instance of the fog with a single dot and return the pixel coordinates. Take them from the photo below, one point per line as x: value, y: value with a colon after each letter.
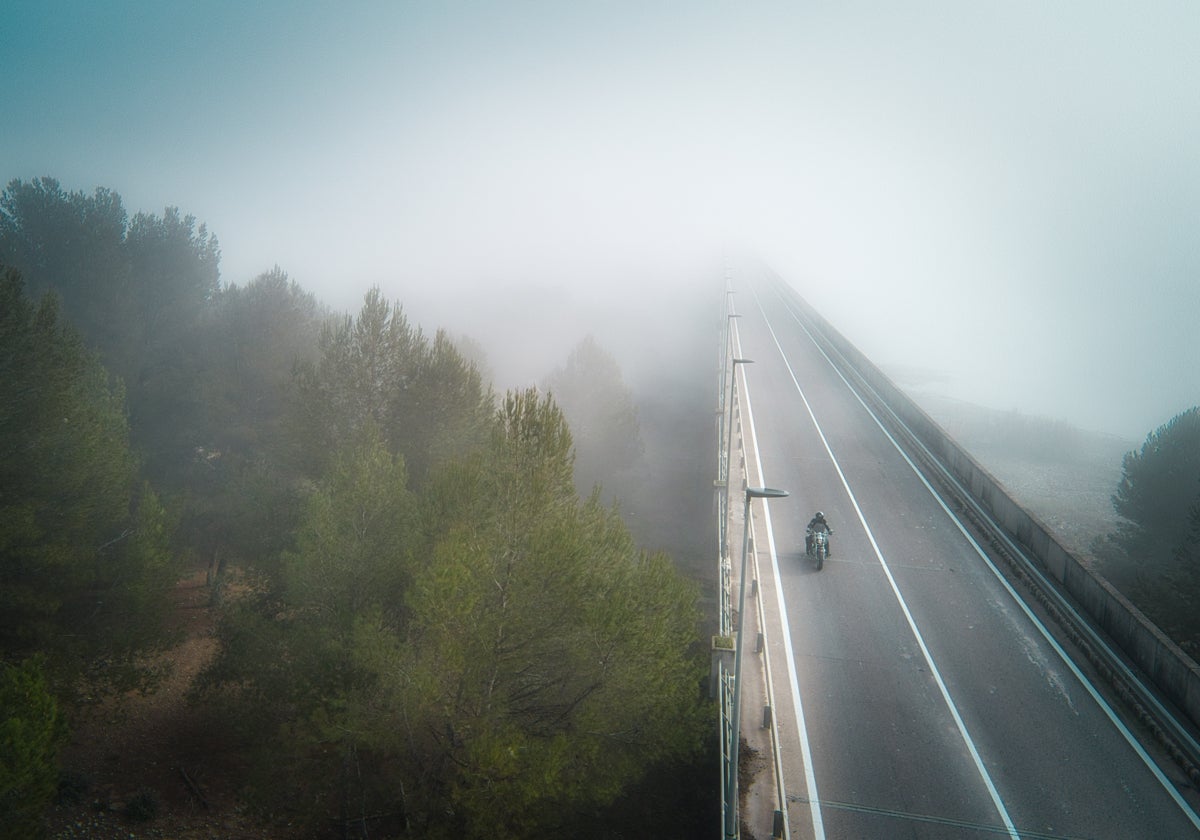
x: 1001, y: 196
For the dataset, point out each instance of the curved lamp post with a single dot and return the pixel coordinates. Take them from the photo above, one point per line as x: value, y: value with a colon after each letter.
x: 731, y: 780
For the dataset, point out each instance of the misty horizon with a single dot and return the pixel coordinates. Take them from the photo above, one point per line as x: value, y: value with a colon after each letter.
x: 1004, y: 195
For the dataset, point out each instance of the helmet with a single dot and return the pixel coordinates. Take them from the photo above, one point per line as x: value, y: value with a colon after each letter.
x: 819, y: 515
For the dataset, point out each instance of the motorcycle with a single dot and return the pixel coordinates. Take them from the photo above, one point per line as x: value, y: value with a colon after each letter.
x: 818, y: 546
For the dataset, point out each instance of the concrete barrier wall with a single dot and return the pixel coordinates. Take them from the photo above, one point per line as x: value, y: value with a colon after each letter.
x: 1175, y: 674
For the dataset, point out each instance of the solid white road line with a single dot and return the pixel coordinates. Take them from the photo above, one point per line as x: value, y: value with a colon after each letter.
x: 928, y: 656
x: 1108, y: 710
x: 810, y: 779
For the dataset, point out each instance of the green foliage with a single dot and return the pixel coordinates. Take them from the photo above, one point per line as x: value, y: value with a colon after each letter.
x: 353, y: 548
x: 429, y: 403
x: 292, y: 655
x: 161, y: 355
x: 600, y: 409
x: 83, y: 560
x: 545, y: 665
x: 72, y: 244
x: 135, y: 291
x: 509, y: 660
x: 1159, y: 489
x: 255, y: 336
x: 239, y: 494
x: 207, y: 369
x: 352, y: 557
x: 1189, y: 550
x: 436, y: 626
x: 31, y: 731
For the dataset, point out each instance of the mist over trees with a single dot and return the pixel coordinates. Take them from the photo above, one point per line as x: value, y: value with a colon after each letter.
x: 601, y: 411
x: 426, y: 631
x: 1156, y: 546
x: 84, y: 540
x: 134, y: 289
x: 425, y: 398
x: 84, y: 560
x: 1159, y: 489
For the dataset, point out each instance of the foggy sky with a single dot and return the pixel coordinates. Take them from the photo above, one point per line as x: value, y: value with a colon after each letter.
x: 1005, y: 192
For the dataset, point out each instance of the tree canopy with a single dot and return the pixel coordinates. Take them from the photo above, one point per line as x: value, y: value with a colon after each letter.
x: 31, y: 730
x: 601, y: 411
x: 1159, y: 490
x: 83, y: 554
x: 135, y: 290
x: 428, y: 402
x: 431, y: 625
x: 545, y: 664
x: 500, y: 659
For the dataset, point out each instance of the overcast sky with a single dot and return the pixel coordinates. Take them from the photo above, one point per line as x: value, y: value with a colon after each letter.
x: 1008, y: 192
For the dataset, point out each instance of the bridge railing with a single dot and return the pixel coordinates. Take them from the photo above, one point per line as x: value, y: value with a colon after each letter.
x: 1089, y: 608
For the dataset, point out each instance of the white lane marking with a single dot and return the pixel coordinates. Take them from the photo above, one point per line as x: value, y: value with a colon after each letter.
x: 933, y: 669
x: 810, y: 779
x: 1109, y: 712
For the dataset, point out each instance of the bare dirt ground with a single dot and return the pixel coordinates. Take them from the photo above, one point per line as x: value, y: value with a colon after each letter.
x: 160, y: 749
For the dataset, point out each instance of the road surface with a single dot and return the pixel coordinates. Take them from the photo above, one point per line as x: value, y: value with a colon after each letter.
x: 916, y: 695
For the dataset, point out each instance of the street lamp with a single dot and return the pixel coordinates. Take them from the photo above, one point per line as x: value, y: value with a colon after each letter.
x: 731, y: 780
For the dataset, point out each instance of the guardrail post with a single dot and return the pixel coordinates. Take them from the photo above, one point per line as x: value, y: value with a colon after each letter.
x: 722, y: 662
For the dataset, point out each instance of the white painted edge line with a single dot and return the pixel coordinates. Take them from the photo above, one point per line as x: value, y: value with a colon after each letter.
x: 810, y: 779
x: 934, y: 671
x: 780, y: 783
x: 1109, y: 712
x: 777, y: 750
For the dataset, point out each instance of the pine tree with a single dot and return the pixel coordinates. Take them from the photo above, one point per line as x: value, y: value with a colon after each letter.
x: 31, y: 730
x: 600, y: 408
x: 544, y: 663
x: 1159, y: 486
x: 83, y: 559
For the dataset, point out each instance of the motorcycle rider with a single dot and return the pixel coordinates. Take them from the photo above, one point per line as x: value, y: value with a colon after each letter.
x: 818, y: 523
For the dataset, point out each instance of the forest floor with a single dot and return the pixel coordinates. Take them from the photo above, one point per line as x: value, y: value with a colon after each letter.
x: 158, y: 753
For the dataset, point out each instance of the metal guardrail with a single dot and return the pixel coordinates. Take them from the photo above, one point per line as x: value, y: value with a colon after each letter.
x: 784, y: 830
x: 726, y: 687
x: 727, y: 736
x: 1175, y: 736
x: 724, y: 677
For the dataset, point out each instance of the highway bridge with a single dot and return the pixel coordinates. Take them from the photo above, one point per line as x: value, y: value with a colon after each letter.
x: 921, y: 685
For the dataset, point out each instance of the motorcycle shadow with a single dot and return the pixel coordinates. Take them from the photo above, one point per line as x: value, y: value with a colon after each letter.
x: 808, y: 563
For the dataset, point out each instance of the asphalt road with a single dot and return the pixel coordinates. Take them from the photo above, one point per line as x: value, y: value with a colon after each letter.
x: 915, y: 694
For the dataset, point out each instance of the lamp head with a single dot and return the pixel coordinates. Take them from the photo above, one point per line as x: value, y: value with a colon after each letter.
x: 765, y: 493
